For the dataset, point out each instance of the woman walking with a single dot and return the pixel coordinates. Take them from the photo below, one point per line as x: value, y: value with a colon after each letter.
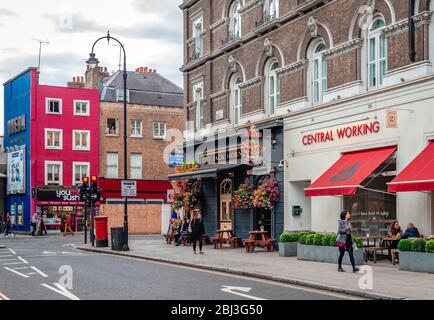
x: 344, y: 240
x: 197, y: 232
x: 68, y: 225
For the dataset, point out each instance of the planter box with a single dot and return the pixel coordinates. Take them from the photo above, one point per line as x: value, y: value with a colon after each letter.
x: 288, y: 249
x: 416, y: 261
x: 327, y: 254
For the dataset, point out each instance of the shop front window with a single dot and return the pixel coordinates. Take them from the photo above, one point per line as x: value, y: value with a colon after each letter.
x: 373, y: 209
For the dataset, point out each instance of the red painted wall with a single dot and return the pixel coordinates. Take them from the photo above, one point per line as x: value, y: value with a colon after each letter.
x: 68, y: 122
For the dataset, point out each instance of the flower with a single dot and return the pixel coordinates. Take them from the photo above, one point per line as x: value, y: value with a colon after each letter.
x: 267, y: 194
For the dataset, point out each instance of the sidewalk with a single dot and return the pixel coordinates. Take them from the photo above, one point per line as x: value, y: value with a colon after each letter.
x: 388, y: 281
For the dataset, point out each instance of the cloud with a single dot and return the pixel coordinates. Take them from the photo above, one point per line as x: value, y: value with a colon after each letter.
x: 6, y: 13
x: 158, y: 28
x: 166, y: 7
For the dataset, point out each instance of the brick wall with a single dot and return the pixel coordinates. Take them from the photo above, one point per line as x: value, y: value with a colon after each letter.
x: 142, y: 219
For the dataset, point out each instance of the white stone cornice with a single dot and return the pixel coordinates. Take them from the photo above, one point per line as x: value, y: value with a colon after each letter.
x: 250, y: 6
x: 422, y: 18
x: 218, y: 95
x: 293, y: 67
x: 252, y: 82
x: 402, y: 26
x: 219, y: 24
x: 344, y: 48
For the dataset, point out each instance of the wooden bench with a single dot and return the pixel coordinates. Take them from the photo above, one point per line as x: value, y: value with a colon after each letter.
x: 234, y: 242
x: 269, y: 245
x: 373, y: 251
x: 186, y: 240
x: 395, y: 255
x: 170, y: 237
x: 217, y: 242
x: 249, y: 245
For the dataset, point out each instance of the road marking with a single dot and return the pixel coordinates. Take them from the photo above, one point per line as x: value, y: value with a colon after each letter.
x: 7, y: 260
x: 61, y: 290
x: 12, y: 264
x: 233, y: 290
x: 39, y: 271
x: 12, y: 251
x: 16, y: 272
x: 21, y: 268
x: 23, y: 260
x: 7, y: 255
x: 3, y: 297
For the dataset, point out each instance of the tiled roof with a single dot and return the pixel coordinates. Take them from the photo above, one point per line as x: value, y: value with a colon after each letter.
x: 145, y: 88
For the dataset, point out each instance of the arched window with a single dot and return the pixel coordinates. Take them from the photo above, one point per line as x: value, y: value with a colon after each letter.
x: 319, y: 73
x: 235, y: 20
x: 377, y: 54
x: 273, y: 86
x: 197, y: 34
x: 236, y: 99
x: 198, y: 95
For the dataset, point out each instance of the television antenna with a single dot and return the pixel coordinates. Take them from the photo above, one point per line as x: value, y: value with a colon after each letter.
x: 41, y: 42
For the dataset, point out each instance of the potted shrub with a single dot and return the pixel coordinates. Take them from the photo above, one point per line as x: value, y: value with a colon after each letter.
x: 288, y: 244
x: 322, y: 248
x: 416, y: 255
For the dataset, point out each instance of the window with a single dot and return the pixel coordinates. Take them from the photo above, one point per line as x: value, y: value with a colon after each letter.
x: 53, y: 106
x: 273, y: 87
x: 136, y: 128
x: 198, y: 96
x: 53, y: 173
x: 197, y: 35
x: 112, y: 165
x: 159, y: 130
x: 236, y: 99
x: 80, y: 170
x: 136, y: 166
x: 112, y: 126
x: 235, y: 20
x: 81, y: 140
x: 120, y: 94
x: 377, y: 54
x: 319, y: 75
x: 81, y: 108
x: 53, y: 139
x: 271, y: 9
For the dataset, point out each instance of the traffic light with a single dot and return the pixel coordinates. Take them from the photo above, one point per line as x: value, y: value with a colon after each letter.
x: 94, y: 190
x: 84, y: 190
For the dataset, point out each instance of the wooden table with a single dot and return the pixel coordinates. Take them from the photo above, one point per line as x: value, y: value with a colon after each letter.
x: 265, y: 241
x: 225, y: 236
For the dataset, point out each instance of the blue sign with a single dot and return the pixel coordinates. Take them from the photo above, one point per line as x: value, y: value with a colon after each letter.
x: 176, y: 160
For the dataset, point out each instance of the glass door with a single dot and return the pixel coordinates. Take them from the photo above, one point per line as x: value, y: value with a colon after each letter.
x: 226, y: 210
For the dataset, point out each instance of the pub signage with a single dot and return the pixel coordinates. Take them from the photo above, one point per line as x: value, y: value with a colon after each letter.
x: 221, y: 156
x: 342, y: 133
x: 17, y: 125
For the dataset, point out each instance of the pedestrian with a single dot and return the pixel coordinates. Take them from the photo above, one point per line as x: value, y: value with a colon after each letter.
x: 33, y: 224
x: 68, y: 225
x: 410, y: 232
x: 41, y: 226
x: 8, y: 225
x: 184, y: 231
x: 197, y: 232
x: 344, y: 240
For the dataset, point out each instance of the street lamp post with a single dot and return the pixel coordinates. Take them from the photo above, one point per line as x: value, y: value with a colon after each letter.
x: 93, y: 62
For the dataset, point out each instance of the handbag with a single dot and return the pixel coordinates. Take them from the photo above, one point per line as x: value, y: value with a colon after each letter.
x: 355, y: 248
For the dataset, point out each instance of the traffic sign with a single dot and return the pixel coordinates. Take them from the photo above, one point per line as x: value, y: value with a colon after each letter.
x: 129, y: 188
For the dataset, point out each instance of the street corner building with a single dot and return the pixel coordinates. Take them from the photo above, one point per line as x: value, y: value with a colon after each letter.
x: 154, y: 106
x: 346, y: 88
x: 52, y: 141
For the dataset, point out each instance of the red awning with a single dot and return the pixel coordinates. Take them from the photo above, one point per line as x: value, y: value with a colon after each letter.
x: 346, y: 175
x: 418, y: 175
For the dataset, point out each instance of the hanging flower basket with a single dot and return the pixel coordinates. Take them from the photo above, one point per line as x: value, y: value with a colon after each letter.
x: 242, y: 197
x: 267, y: 194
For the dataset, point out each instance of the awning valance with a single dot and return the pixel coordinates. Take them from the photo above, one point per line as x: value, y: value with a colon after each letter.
x: 418, y: 175
x: 346, y: 175
x: 206, y: 172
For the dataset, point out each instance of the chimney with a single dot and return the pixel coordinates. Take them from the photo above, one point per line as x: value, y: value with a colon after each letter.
x: 94, y: 76
x: 77, y: 82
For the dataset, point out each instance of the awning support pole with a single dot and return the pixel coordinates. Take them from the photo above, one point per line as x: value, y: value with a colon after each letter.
x: 379, y: 191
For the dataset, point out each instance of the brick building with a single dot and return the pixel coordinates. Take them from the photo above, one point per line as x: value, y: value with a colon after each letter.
x: 314, y: 65
x: 154, y: 106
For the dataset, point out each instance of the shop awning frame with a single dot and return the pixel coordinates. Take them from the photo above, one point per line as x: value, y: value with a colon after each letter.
x: 352, y: 168
x: 205, y: 173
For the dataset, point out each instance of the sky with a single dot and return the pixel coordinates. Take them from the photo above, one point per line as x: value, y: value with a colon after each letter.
x: 151, y: 31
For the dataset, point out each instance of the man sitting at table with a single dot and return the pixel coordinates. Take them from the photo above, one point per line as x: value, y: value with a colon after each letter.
x: 183, y: 231
x: 411, y: 232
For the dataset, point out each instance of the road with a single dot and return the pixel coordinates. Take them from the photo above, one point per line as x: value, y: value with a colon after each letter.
x: 49, y: 268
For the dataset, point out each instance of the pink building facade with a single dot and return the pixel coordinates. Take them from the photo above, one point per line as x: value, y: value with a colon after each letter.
x: 65, y: 148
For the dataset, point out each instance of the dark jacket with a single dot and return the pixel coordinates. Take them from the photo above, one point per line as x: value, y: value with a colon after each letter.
x: 197, y: 228
x: 184, y: 227
x: 410, y: 233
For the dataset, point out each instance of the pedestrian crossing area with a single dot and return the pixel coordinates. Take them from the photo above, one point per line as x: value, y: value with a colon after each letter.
x: 17, y: 265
